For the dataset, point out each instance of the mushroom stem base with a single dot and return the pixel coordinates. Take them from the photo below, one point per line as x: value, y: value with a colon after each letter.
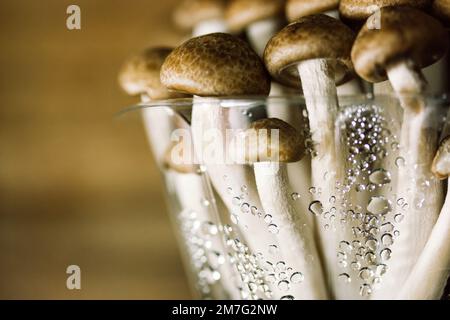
x: 295, y: 233
x: 429, y: 275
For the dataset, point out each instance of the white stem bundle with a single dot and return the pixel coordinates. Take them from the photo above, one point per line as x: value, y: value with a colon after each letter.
x: 416, y: 184
x: 231, y: 180
x: 429, y: 275
x: 259, y: 34
x: 192, y: 194
x: 295, y: 234
x: 158, y: 125
x: 319, y: 89
x: 299, y: 172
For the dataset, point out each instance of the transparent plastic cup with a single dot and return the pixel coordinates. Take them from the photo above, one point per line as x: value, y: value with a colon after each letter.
x: 370, y: 209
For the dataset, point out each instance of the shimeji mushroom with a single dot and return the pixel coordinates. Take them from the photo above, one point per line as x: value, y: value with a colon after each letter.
x: 201, y: 16
x: 218, y: 65
x: 270, y: 144
x: 358, y: 11
x: 296, y: 9
x: 431, y: 271
x: 407, y: 41
x: 316, y: 51
x: 193, y: 195
x: 261, y: 19
x: 140, y: 76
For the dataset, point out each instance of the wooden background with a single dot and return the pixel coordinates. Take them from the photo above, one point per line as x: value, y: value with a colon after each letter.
x: 77, y: 185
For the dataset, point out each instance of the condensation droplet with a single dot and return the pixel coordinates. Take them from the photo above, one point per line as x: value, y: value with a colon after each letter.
x: 345, y: 278
x: 379, y: 205
x: 355, y: 265
x: 273, y: 228
x: 400, y: 162
x: 245, y: 208
x: 342, y: 263
x: 370, y: 258
x: 297, y: 277
x: 387, y: 239
x: 372, y: 244
x: 267, y: 218
x: 209, y: 228
x: 387, y: 227
x: 273, y: 249
x: 380, y: 177
x: 295, y: 196
x: 237, y: 201
x: 381, y: 269
x: 365, y: 290
x: 283, y: 285
x: 345, y: 246
x: 271, y: 278
x: 365, y: 274
x: 385, y: 254
x: 398, y: 218
x: 316, y: 207
x: 281, y: 266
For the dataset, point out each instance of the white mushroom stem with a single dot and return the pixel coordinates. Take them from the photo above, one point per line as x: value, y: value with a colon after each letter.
x: 192, y: 196
x: 158, y: 125
x: 332, y: 13
x: 429, y: 275
x: 295, y: 233
x: 299, y: 172
x: 209, y: 26
x: 319, y: 89
x: 415, y: 184
x: 436, y: 76
x: 230, y: 179
x: 259, y: 33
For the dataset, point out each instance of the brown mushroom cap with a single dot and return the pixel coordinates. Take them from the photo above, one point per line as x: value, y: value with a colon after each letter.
x: 241, y: 13
x: 296, y: 9
x: 405, y: 33
x: 176, y: 162
x: 191, y: 12
x: 312, y: 37
x: 140, y: 74
x: 362, y: 9
x: 441, y: 9
x: 441, y: 162
x: 216, y: 64
x: 290, y: 146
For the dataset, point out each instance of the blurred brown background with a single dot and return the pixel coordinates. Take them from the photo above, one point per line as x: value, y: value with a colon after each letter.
x: 77, y: 185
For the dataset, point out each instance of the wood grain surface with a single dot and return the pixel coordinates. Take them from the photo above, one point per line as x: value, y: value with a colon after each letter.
x: 77, y: 184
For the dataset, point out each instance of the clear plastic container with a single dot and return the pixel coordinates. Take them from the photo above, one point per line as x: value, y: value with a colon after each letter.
x: 370, y: 208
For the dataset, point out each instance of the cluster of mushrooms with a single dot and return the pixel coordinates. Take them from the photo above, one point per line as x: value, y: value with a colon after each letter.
x: 389, y: 241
